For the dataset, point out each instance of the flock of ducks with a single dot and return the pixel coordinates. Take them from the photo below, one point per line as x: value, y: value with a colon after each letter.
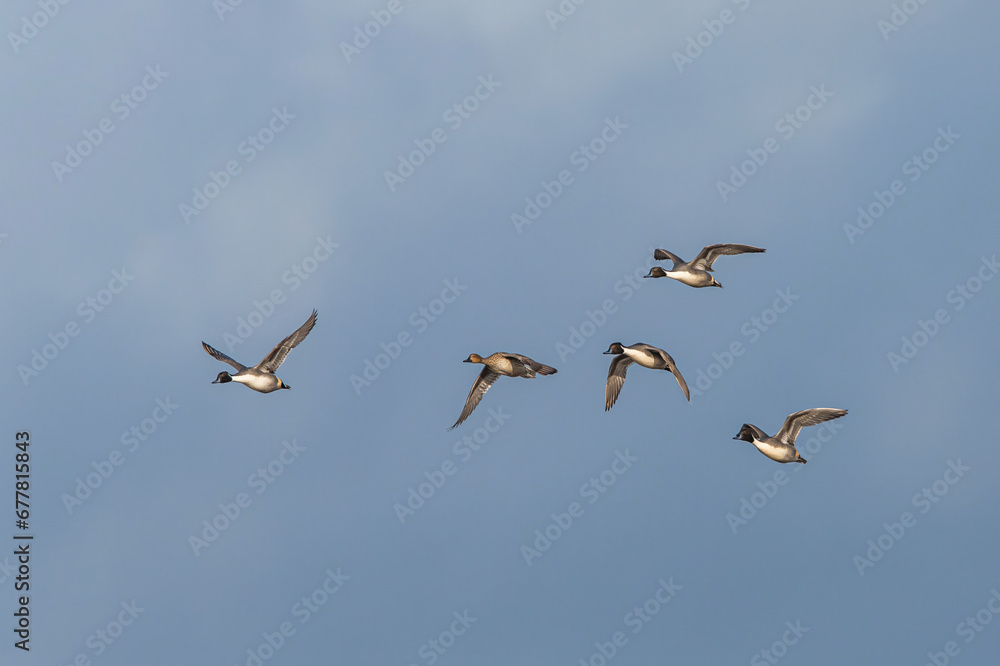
x: 697, y: 273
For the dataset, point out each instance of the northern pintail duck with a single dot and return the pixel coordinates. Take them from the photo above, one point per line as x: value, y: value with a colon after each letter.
x: 261, y: 377
x: 500, y: 363
x: 696, y: 273
x: 781, y: 447
x: 645, y: 355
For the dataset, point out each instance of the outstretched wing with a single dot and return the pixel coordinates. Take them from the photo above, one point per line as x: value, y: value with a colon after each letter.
x: 616, y: 378
x: 676, y: 373
x: 216, y: 354
x: 710, y: 253
x: 807, y: 417
x: 277, y: 356
x: 482, y: 385
x: 662, y: 255
x: 540, y: 368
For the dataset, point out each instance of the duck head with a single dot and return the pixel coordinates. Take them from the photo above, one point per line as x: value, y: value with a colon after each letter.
x: 223, y: 378
x: 656, y: 272
x: 746, y: 433
x: 616, y: 347
x: 473, y: 358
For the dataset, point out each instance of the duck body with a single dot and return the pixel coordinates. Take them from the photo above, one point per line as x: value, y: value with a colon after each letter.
x: 690, y: 277
x: 262, y: 382
x: 647, y: 356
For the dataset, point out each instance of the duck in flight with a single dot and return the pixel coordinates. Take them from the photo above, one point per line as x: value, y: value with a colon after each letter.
x: 781, y: 447
x: 500, y: 363
x: 645, y: 355
x: 261, y: 377
x: 696, y: 273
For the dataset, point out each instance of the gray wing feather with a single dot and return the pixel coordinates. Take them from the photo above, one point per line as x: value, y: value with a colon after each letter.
x: 671, y: 366
x: 277, y: 356
x: 677, y: 375
x: 540, y: 368
x: 479, y: 388
x: 216, y: 354
x: 662, y: 255
x: 616, y: 378
x: 710, y: 253
x: 807, y: 417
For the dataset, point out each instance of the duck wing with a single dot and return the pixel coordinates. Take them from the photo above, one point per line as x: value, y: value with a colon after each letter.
x: 672, y: 368
x: 616, y: 378
x: 533, y: 364
x: 277, y: 356
x: 216, y: 354
x: 710, y: 253
x: 482, y: 384
x: 662, y: 255
x: 807, y: 417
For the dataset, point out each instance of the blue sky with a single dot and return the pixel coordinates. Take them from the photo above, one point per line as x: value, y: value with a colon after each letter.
x: 179, y: 172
